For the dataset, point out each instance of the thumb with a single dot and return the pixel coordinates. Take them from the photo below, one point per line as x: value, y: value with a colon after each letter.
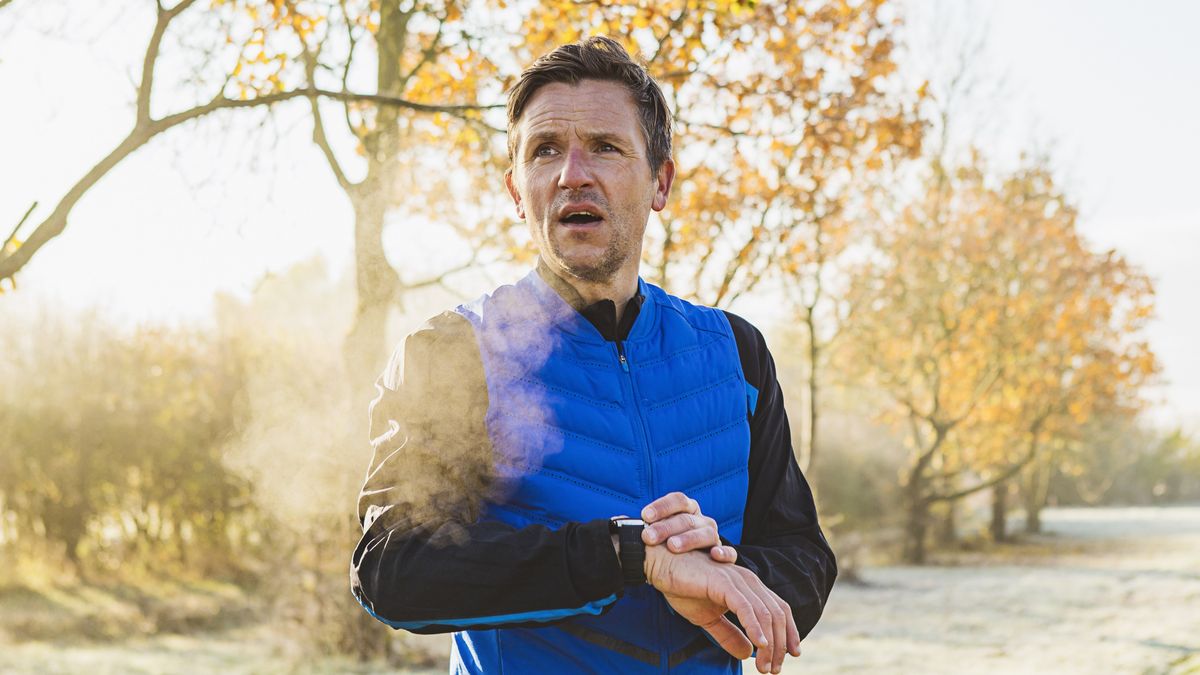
x: 730, y: 638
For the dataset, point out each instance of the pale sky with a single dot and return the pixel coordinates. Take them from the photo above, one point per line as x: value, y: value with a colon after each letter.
x: 1113, y: 86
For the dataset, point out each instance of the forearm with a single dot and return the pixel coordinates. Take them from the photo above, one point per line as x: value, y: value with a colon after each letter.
x: 484, y: 575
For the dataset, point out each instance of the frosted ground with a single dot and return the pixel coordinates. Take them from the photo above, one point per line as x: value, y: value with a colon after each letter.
x: 1104, y: 591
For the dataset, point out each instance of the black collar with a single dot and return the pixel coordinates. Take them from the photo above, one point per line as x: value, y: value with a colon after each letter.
x: 603, y: 313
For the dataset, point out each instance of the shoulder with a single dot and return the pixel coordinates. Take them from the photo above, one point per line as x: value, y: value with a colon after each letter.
x: 446, y: 337
x: 699, y: 316
x: 448, y: 327
x: 745, y: 332
x: 757, y: 364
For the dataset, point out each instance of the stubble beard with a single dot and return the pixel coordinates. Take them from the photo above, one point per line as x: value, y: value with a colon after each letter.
x: 597, y: 272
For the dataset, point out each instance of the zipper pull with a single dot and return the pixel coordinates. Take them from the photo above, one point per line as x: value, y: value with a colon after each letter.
x: 621, y: 357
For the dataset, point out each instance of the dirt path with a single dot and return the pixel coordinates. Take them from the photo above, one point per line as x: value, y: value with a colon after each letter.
x: 1121, y: 596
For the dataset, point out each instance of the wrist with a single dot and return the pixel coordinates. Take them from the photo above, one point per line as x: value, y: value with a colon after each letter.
x: 655, y: 559
x: 631, y: 552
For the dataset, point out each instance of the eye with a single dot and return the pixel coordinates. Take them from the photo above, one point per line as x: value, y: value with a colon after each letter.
x: 544, y: 150
x: 607, y: 147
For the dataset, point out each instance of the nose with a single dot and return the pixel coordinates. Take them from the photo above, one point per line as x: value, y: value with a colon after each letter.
x: 576, y: 170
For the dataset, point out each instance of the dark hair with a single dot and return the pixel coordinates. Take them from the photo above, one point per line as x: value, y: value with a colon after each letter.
x: 598, y: 58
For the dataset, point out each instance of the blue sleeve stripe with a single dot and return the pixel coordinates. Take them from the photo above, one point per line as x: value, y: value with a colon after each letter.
x: 545, y: 615
x: 751, y: 397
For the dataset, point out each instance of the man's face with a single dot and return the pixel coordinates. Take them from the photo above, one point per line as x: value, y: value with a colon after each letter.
x: 581, y: 178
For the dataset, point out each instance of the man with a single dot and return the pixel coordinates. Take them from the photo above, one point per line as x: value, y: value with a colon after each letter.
x: 514, y: 435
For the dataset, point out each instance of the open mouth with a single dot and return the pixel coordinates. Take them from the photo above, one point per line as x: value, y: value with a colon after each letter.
x: 581, y: 218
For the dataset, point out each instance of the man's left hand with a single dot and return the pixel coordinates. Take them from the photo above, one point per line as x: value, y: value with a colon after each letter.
x: 676, y: 519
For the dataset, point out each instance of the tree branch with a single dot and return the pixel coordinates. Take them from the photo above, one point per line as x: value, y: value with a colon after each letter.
x: 739, y: 259
x: 165, y: 16
x: 1035, y: 430
x: 353, y: 42
x: 54, y: 224
x: 222, y: 103
x: 57, y: 221
x: 1009, y: 473
x: 21, y: 222
x: 310, y: 66
x: 441, y: 278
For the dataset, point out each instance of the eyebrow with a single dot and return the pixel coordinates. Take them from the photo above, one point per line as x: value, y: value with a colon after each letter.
x: 537, y: 138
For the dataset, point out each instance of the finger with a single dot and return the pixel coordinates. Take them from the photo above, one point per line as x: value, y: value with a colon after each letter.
x: 723, y: 554
x: 679, y: 524
x: 684, y: 532
x: 771, y: 658
x: 728, y: 594
x: 696, y: 540
x: 730, y: 638
x: 779, y: 634
x: 765, y: 620
x: 779, y: 625
x: 668, y: 505
x: 793, y: 633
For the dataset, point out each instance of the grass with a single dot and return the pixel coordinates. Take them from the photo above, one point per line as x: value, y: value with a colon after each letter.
x: 73, y: 611
x: 164, y: 625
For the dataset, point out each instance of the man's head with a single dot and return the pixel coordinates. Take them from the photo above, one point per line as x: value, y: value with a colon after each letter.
x: 590, y: 145
x: 597, y: 58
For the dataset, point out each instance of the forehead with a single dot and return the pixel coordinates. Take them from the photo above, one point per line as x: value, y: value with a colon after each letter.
x: 593, y: 106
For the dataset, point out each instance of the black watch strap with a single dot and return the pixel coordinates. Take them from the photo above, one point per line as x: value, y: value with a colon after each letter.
x: 632, y: 550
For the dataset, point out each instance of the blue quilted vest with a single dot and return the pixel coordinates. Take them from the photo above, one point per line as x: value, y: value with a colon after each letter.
x: 583, y: 428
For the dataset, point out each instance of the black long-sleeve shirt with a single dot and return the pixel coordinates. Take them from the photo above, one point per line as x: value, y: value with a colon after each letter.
x: 428, y: 564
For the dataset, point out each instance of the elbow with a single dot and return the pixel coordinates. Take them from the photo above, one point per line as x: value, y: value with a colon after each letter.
x: 831, y: 574
x: 386, y: 596
x: 380, y: 598
x: 384, y: 603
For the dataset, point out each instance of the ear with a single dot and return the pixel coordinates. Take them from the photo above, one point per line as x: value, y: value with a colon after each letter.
x: 512, y: 192
x: 662, y: 187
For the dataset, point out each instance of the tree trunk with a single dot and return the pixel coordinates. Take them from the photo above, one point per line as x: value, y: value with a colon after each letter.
x: 914, y: 535
x: 1034, y: 494
x: 365, y: 350
x: 915, y: 493
x: 948, y: 532
x: 814, y: 352
x: 376, y: 282
x: 918, y: 517
x: 999, y: 526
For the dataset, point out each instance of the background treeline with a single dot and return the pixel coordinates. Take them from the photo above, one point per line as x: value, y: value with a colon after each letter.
x: 953, y: 349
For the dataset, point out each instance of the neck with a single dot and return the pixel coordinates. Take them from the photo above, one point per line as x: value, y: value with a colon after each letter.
x: 620, y: 288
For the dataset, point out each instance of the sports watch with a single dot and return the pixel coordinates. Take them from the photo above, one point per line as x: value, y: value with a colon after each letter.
x: 632, y: 552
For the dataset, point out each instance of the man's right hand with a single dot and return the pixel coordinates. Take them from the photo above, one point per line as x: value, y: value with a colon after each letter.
x: 702, y: 590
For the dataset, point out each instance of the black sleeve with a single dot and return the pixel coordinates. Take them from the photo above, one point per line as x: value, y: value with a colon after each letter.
x: 781, y: 542
x: 426, y: 561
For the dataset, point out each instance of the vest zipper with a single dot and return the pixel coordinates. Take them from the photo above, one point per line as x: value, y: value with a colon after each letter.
x: 641, y: 419
x: 657, y: 618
